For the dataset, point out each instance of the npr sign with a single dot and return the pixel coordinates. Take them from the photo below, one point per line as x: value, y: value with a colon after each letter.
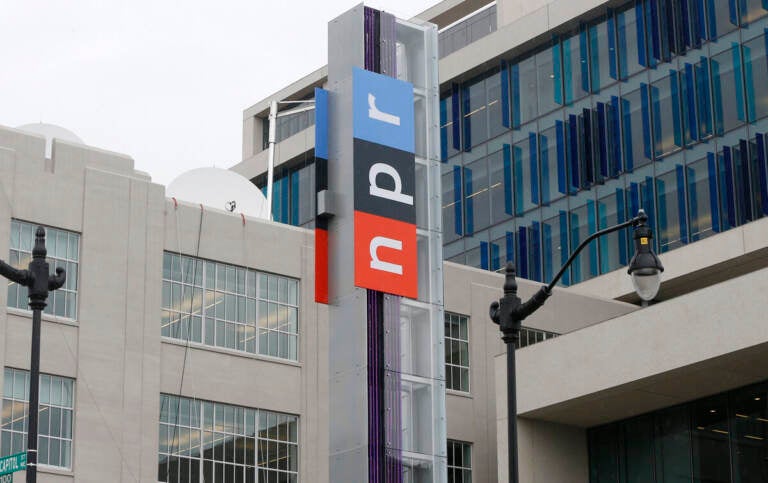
x: 384, y: 184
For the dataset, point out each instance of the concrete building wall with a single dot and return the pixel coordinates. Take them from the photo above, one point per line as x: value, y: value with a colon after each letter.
x: 113, y: 349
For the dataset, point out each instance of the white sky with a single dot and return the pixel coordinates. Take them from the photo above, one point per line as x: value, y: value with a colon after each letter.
x: 162, y: 81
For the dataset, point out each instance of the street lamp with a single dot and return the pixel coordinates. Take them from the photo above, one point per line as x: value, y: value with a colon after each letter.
x: 39, y: 281
x: 509, y: 311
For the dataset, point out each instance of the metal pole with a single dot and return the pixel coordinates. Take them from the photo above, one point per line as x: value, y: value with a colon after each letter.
x: 34, y: 396
x: 271, y: 154
x: 39, y: 282
x: 512, y: 413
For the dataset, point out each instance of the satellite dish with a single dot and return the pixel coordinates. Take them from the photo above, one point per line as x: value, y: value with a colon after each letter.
x: 221, y: 189
x: 51, y: 132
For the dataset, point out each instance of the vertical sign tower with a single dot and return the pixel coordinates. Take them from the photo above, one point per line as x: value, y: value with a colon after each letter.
x: 384, y: 258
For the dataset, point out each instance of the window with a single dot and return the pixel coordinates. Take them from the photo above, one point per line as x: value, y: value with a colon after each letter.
x: 530, y: 336
x: 459, y: 462
x: 63, y: 251
x: 54, y: 417
x: 245, y: 310
x: 214, y: 442
x: 456, y: 352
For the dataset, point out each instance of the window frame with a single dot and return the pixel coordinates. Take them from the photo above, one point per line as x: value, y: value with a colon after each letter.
x: 450, y: 365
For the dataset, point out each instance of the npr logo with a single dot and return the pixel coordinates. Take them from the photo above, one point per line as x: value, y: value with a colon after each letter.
x: 384, y: 184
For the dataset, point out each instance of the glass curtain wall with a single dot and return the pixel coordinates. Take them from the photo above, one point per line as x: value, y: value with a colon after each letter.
x: 722, y: 438
x: 656, y: 104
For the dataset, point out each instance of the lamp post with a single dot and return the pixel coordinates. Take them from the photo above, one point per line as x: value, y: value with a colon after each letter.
x: 509, y: 311
x: 39, y: 281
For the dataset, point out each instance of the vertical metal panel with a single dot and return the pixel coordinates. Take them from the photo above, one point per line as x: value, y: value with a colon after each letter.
x: 558, y: 62
x: 612, y: 61
x: 615, y: 138
x: 573, y: 151
x: 515, y: 96
x: 505, y: 120
x: 730, y: 198
x: 602, y: 140
x: 704, y: 98
x: 455, y: 116
x: 674, y: 87
x: 535, y: 244
x: 507, y: 160
x: 567, y: 70
x: 763, y: 175
x: 592, y: 228
x: 561, y: 169
x: 681, y: 211
x: 544, y: 157
x: 620, y: 218
x: 749, y: 84
x: 458, y: 198
x: 484, y: 255
x: 564, y: 242
x: 646, y: 114
x: 522, y: 244
x: 689, y: 100
x: 533, y: 161
x: 642, y: 52
x: 626, y: 131
x: 714, y: 198
x: 584, y: 59
x: 738, y: 75
x: 469, y: 203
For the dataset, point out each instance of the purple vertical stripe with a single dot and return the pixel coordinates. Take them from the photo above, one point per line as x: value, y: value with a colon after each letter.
x: 375, y: 366
x: 392, y: 390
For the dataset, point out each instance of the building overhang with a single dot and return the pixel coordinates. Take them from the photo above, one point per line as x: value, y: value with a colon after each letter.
x: 695, y: 345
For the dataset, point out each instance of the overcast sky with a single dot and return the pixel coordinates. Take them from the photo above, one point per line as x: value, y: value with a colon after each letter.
x: 162, y: 81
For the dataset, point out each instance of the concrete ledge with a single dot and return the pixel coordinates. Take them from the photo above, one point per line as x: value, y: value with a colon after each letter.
x: 698, y: 344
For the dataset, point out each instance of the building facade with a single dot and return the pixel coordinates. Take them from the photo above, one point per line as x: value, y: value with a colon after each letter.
x: 560, y: 118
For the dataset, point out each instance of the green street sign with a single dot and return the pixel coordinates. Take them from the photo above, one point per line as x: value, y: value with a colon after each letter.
x: 13, y: 463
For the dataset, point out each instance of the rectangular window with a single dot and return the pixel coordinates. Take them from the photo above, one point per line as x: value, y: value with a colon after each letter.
x: 208, y: 441
x: 456, y: 352
x: 55, y: 416
x: 529, y: 336
x: 459, y: 462
x: 63, y: 251
x: 244, y: 310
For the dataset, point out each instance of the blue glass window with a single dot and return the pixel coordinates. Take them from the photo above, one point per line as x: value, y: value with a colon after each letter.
x: 548, y: 79
x: 583, y: 222
x: 670, y: 192
x: 575, y: 51
x: 525, y: 175
x: 474, y: 113
x: 449, y: 129
x: 524, y: 91
x: 476, y: 204
x: 602, y: 53
x: 756, y: 73
x: 727, y: 89
x: 552, y: 160
x: 500, y: 168
x: 665, y: 102
x: 495, y: 110
x: 631, y: 42
x: 704, y: 98
x: 703, y: 209
x: 636, y: 129
x: 722, y: 17
x: 611, y: 210
x: 752, y: 10
x: 452, y: 204
x: 554, y: 234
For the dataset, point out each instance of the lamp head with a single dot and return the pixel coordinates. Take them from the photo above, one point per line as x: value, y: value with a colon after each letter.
x: 645, y: 267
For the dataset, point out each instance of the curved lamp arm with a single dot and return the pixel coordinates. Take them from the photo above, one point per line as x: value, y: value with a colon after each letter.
x: 640, y: 218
